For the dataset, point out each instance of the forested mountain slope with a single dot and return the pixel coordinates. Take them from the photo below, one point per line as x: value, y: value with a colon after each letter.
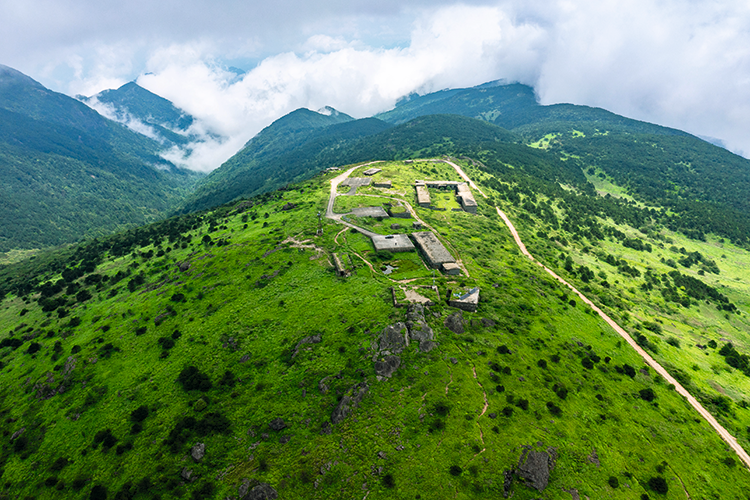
x: 132, y: 102
x: 69, y: 173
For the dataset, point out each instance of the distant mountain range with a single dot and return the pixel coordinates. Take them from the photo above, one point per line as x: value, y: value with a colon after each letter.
x: 704, y: 186
x: 68, y: 173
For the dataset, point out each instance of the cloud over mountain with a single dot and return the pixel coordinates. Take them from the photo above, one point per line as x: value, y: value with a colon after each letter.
x: 679, y: 64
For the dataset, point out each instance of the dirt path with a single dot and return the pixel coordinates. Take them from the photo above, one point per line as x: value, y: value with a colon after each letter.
x: 725, y: 435
x: 465, y: 177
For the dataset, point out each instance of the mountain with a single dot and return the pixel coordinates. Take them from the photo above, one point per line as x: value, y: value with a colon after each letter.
x: 68, y: 173
x: 222, y: 354
x: 135, y: 106
x: 512, y: 106
x: 268, y: 160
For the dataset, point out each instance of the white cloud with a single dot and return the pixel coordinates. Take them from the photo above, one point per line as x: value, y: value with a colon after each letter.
x: 681, y: 63
x: 457, y: 46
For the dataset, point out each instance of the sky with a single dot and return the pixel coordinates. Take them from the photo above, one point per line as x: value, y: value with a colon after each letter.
x: 678, y: 63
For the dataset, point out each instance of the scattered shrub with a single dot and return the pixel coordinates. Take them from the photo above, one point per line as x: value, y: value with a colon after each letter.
x: 658, y: 484
x: 647, y: 394
x: 553, y: 408
x: 98, y: 492
x: 613, y: 482
x: 388, y: 481
x: 139, y: 414
x: 441, y: 408
x: 455, y: 470
x: 503, y: 349
x: 541, y: 364
x: 192, y: 379
x: 228, y: 379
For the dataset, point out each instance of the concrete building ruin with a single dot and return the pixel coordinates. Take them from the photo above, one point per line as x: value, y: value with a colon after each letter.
x: 383, y: 184
x: 423, y: 196
x: 451, y: 269
x: 392, y: 243
x: 338, y: 263
x: 433, y: 250
x: 465, y: 196
x: 463, y: 193
x: 372, y: 171
x: 467, y: 301
x: 370, y: 212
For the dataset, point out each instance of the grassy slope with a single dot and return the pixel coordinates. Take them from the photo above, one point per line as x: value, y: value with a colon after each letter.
x: 245, y: 299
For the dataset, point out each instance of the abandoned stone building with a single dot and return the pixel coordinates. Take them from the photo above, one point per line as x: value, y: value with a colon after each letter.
x: 432, y: 249
x: 423, y: 196
x: 463, y: 193
x: 383, y: 184
x: 467, y: 301
x: 372, y: 171
x: 338, y: 263
x: 370, y: 212
x: 465, y: 196
x: 392, y: 243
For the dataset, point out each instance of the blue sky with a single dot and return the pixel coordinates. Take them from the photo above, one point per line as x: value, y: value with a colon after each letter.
x: 683, y: 64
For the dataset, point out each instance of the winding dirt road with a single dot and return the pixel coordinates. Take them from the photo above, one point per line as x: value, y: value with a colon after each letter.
x: 725, y: 435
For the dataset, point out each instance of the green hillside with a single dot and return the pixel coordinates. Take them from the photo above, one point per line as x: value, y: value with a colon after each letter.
x: 67, y: 173
x: 219, y: 354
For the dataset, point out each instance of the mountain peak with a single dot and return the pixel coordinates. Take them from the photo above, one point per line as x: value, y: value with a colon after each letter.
x: 9, y: 75
x: 328, y: 111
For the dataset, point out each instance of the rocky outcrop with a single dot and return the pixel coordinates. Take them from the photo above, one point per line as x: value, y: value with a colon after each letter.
x: 393, y: 338
x: 535, y: 470
x: 387, y: 366
x: 263, y: 491
x: 312, y: 339
x: 534, y: 467
x: 349, y: 402
x: 455, y: 322
x: 197, y: 452
x: 277, y: 424
x: 419, y: 330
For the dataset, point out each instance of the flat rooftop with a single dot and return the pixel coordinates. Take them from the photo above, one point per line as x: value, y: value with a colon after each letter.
x: 393, y: 243
x: 356, y: 181
x: 370, y: 212
x: 433, y: 249
x: 372, y: 171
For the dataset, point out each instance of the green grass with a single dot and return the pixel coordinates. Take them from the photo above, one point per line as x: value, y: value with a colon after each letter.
x: 257, y: 297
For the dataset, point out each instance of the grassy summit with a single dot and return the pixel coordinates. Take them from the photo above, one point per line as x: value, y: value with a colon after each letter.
x: 231, y: 329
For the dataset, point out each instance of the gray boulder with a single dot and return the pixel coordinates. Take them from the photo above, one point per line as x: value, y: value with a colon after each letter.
x: 184, y: 266
x: 455, y: 322
x: 427, y: 345
x: 198, y: 451
x: 388, y: 366
x: 263, y: 491
x: 186, y: 473
x: 348, y: 402
x: 277, y: 424
x: 393, y: 338
x: 534, y: 469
